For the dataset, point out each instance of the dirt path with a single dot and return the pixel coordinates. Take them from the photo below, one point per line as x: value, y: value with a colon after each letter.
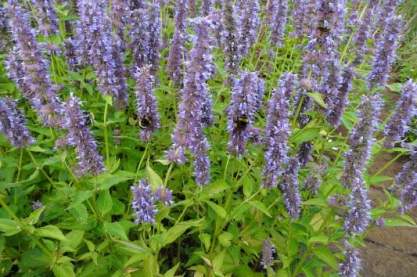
x: 390, y: 251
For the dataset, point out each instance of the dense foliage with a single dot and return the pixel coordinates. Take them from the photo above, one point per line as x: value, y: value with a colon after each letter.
x: 199, y: 138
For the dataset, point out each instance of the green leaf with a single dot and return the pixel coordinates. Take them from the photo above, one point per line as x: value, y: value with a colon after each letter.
x: 317, y: 97
x: 315, y: 202
x: 107, y: 180
x: 171, y: 272
x: 396, y: 87
x: 260, y: 206
x: 115, y: 229
x: 9, y: 227
x: 306, y: 134
x: 131, y: 247
x: 154, y: 179
x: 399, y: 222
x: 50, y: 231
x: 108, y: 99
x: 33, y: 218
x: 74, y: 239
x: 225, y: 239
x: 206, y: 240
x: 63, y: 270
x: 219, y: 210
x: 318, y: 239
x: 176, y: 231
x: 104, y: 202
x: 374, y: 180
x: 326, y: 256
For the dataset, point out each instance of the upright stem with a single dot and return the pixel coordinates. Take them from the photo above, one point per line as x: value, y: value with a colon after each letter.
x: 106, y: 137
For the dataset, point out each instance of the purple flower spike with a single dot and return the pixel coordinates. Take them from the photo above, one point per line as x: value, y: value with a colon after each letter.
x: 146, y: 103
x: 13, y: 124
x: 361, y: 139
x: 363, y: 34
x: 143, y: 203
x: 164, y: 195
x: 406, y: 183
x: 302, y: 15
x: 385, y: 52
x: 45, y: 13
x: 247, y: 96
x: 277, y: 131
x: 352, y: 263
x: 79, y: 136
x: 268, y: 251
x: 29, y: 70
x: 249, y: 25
x: 290, y: 190
x: 358, y: 217
x: 194, y: 113
x: 406, y: 109
x: 279, y: 16
x: 230, y: 37
x: 206, y: 7
x: 177, y: 51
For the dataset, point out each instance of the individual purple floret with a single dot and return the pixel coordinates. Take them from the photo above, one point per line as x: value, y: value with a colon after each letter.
x: 46, y: 16
x: 406, y: 184
x: 359, y: 207
x: 406, y: 109
x: 194, y: 112
x: 143, y: 203
x: 277, y: 131
x: 79, y: 136
x: 177, y: 51
x: 279, y: 17
x: 29, y: 70
x: 268, y: 251
x: 164, y: 195
x: 230, y: 37
x: 361, y: 139
x: 246, y: 99
x: 385, y: 52
x: 290, y: 189
x: 249, y: 25
x: 352, y: 262
x: 37, y: 205
x: 147, y: 112
x: 341, y: 97
x: 13, y: 124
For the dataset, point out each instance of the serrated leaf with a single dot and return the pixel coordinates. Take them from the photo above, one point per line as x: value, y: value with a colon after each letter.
x: 63, y: 270
x: 171, y: 272
x: 154, y: 179
x: 107, y: 180
x: 104, y: 202
x: 115, y: 229
x: 33, y: 218
x: 326, y: 256
x: 317, y: 97
x: 50, y: 231
x: 260, y: 207
x: 176, y: 231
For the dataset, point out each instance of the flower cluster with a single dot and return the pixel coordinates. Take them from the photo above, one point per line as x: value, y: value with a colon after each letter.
x: 144, y: 201
x: 290, y: 190
x: 268, y: 251
x: 406, y: 182
x: 13, y: 124
x: 79, y: 136
x: 146, y: 103
x: 29, y: 70
x: 230, y: 37
x: 246, y: 99
x: 352, y: 262
x: 249, y: 22
x: 45, y: 13
x: 278, y: 20
x: 406, y: 109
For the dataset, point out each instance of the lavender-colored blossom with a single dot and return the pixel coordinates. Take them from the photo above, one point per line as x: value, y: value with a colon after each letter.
x: 13, y: 124
x: 385, y: 52
x: 147, y: 111
x: 363, y: 34
x: 249, y: 25
x: 406, y: 109
x: 277, y: 131
x: 290, y: 190
x: 351, y: 264
x: 341, y: 97
x: 279, y: 16
x: 230, y: 37
x: 146, y: 36
x: 177, y: 51
x: 331, y: 81
x: 246, y: 99
x: 164, y: 195
x: 195, y: 106
x: 143, y: 203
x: 268, y: 251
x: 37, y: 205
x: 303, y: 102
x: 303, y: 17
x: 79, y: 136
x: 312, y: 183
x: 406, y: 184
x: 120, y: 15
x: 46, y: 16
x: 29, y: 70
x: 97, y: 46
x: 361, y: 139
x: 358, y: 217
x: 385, y: 10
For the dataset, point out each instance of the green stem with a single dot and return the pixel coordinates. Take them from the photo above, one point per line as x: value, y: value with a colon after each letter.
x: 19, y: 167
x: 388, y: 164
x: 141, y: 162
x: 171, y: 166
x: 40, y: 168
x: 106, y: 137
